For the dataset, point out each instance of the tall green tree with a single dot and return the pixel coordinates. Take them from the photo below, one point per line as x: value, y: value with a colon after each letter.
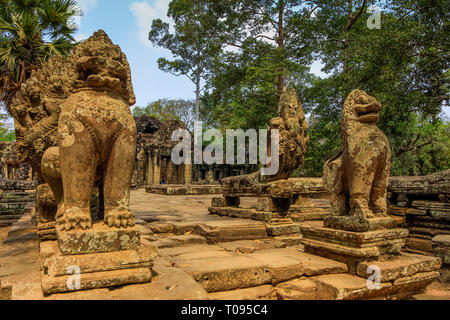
x: 192, y: 42
x: 269, y: 46
x: 404, y: 64
x: 30, y: 32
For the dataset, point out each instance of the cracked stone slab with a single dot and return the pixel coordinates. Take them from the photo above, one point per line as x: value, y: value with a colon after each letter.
x: 264, y: 292
x: 176, y: 241
x: 401, y: 266
x: 168, y: 284
x: 226, y: 273
x: 231, y: 230
x: 186, y: 249
x: 250, y: 246
x: 347, y: 287
x: 297, y: 289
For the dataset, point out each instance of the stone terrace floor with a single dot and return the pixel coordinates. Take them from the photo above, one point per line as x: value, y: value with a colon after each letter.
x: 197, y: 260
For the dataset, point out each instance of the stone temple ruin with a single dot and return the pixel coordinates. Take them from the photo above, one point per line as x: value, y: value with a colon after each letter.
x: 264, y: 237
x: 154, y: 165
x: 16, y: 185
x: 156, y: 172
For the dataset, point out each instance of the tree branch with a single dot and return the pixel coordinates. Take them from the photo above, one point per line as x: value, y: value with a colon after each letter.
x: 353, y: 20
x: 264, y: 36
x: 411, y: 146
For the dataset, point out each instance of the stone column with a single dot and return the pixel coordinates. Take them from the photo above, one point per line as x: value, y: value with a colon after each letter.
x: 156, y: 168
x: 187, y: 173
x: 150, y: 176
x: 30, y: 174
x: 170, y: 171
x: 209, y: 176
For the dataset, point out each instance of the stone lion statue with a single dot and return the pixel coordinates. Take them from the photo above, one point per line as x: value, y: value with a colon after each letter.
x: 75, y: 125
x: 357, y: 178
x: 293, y: 138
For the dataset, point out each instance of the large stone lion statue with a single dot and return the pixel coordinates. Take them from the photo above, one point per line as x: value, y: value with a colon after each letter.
x: 75, y: 126
x: 357, y: 178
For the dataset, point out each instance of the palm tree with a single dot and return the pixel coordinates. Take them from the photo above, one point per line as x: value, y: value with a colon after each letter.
x: 31, y: 31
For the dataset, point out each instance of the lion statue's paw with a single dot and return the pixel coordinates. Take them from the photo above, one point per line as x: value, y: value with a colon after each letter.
x: 119, y: 218
x: 75, y: 218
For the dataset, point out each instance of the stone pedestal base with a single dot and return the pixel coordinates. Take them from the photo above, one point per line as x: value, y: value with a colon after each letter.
x: 67, y: 273
x: 350, y: 223
x: 281, y: 227
x: 100, y: 238
x: 96, y: 258
x: 280, y: 217
x: 352, y: 247
x: 46, y: 231
x: 441, y: 249
x: 374, y: 260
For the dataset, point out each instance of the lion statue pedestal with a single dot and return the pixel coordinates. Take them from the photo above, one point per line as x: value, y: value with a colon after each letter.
x: 359, y: 232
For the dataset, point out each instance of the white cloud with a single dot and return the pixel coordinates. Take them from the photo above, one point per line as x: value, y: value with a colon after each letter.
x: 80, y: 37
x: 86, y: 5
x: 146, y: 13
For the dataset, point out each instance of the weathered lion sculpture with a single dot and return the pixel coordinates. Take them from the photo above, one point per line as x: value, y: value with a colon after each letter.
x: 357, y: 178
x: 293, y: 138
x: 76, y: 128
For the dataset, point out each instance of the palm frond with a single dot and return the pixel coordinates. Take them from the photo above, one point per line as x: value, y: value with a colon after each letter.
x: 6, y: 26
x: 31, y: 31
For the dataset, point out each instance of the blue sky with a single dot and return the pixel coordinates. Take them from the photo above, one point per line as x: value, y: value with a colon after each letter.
x: 127, y: 23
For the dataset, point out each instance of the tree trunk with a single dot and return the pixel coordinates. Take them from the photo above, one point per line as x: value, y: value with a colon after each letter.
x: 280, y: 42
x: 347, y: 35
x: 198, y: 80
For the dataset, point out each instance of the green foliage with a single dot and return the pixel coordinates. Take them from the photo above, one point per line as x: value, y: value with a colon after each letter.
x: 165, y: 109
x: 404, y: 65
x: 265, y: 45
x: 31, y: 32
x: 271, y: 45
x: 5, y: 133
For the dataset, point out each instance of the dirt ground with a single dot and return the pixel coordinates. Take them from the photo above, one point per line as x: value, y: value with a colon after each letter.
x: 4, y: 233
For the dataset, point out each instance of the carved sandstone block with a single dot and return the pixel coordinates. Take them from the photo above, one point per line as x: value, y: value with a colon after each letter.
x: 100, y: 238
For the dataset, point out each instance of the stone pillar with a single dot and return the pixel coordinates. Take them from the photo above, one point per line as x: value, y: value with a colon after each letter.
x: 141, y: 166
x: 30, y: 174
x: 209, y: 176
x: 156, y: 168
x: 163, y: 170
x: 170, y: 171
x: 150, y: 168
x: 187, y: 173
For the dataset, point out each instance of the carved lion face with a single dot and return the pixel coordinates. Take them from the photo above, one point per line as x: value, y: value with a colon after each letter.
x: 98, y: 63
x: 361, y: 107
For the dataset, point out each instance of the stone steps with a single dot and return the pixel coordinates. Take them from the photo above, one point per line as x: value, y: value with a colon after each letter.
x: 232, y: 230
x: 221, y: 270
